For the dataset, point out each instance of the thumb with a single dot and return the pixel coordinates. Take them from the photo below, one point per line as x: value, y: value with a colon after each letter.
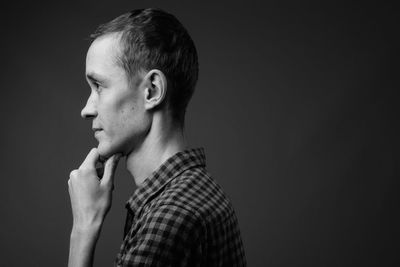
x: 109, y: 169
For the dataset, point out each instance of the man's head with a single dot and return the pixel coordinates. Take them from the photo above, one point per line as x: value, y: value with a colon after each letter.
x: 140, y: 63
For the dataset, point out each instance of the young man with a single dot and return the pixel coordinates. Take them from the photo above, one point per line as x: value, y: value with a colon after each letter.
x: 142, y: 69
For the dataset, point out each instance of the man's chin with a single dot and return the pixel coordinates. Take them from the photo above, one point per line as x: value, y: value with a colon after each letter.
x: 106, y: 152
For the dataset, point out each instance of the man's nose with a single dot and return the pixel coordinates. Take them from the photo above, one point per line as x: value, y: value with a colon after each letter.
x: 89, y: 111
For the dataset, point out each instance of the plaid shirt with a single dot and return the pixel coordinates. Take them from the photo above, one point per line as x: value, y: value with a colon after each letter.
x: 180, y: 216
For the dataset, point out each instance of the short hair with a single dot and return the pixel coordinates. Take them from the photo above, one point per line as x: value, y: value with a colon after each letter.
x: 154, y: 39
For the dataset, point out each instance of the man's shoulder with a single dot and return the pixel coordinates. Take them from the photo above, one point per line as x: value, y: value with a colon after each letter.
x: 194, y: 191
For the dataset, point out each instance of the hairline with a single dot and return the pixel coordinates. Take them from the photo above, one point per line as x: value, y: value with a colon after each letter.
x: 119, y: 54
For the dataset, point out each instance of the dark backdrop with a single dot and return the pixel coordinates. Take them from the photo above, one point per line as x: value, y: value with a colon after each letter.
x: 296, y: 107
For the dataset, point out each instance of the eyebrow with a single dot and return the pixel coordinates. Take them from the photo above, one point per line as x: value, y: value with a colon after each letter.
x: 94, y: 77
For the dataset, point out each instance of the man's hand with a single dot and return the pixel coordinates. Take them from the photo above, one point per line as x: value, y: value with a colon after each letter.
x: 91, y: 195
x: 91, y: 198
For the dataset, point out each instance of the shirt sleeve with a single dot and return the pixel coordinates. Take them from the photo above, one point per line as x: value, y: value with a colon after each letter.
x: 168, y: 236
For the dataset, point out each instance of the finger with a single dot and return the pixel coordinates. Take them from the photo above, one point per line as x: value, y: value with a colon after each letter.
x: 90, y: 160
x: 109, y: 170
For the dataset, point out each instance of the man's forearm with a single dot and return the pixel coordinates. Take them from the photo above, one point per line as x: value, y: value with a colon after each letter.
x: 82, y: 246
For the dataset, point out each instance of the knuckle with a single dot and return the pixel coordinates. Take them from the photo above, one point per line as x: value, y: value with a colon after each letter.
x: 73, y: 174
x: 84, y: 170
x: 109, y: 186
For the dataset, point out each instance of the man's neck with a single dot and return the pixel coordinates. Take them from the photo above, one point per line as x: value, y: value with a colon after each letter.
x: 158, y: 146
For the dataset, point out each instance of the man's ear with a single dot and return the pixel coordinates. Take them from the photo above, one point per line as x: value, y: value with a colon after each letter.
x: 156, y: 88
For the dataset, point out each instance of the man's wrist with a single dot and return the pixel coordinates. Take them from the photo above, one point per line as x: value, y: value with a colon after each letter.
x: 85, y: 230
x: 82, y: 244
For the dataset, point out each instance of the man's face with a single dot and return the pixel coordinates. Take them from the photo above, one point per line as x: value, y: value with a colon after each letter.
x: 115, y: 105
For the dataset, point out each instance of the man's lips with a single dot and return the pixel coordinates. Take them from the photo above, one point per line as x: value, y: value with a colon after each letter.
x: 97, y: 131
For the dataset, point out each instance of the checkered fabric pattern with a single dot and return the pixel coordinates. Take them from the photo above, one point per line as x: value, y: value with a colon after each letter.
x: 180, y: 216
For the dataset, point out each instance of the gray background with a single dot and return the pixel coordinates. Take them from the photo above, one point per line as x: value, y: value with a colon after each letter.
x: 296, y: 107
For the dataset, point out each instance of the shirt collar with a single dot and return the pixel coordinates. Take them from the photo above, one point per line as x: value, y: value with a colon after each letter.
x: 170, y: 169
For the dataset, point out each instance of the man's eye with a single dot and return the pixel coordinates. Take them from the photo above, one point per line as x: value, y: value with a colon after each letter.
x: 97, y: 86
